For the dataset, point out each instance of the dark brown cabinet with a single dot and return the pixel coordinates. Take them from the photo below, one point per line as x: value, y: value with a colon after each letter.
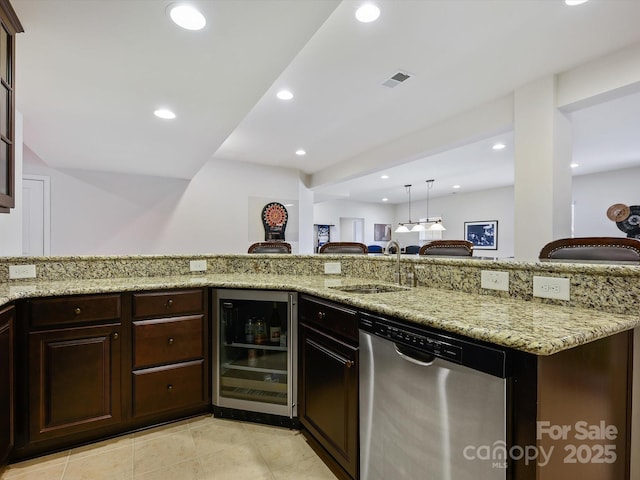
x: 98, y: 365
x: 170, y: 369
x: 75, y: 367
x: 328, y: 384
x: 9, y: 27
x: 7, y: 318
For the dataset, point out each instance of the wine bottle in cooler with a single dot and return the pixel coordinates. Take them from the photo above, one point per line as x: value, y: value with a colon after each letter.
x: 275, y: 326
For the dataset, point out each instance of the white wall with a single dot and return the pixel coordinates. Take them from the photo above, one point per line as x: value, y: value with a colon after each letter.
x: 11, y: 223
x: 330, y: 213
x: 107, y: 213
x: 495, y: 204
x: 594, y: 194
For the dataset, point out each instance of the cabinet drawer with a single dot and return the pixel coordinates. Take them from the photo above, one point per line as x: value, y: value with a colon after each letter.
x: 167, y: 340
x: 74, y: 309
x: 329, y: 317
x: 166, y: 388
x: 172, y: 302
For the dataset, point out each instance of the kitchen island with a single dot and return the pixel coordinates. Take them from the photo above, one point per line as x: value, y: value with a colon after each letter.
x: 567, y: 353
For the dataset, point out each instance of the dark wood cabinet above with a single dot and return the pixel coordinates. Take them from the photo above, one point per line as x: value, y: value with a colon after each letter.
x: 9, y: 27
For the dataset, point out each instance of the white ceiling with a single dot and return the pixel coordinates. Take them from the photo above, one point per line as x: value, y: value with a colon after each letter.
x: 91, y: 72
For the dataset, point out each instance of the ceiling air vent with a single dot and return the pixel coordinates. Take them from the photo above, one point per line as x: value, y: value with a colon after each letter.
x: 397, y: 79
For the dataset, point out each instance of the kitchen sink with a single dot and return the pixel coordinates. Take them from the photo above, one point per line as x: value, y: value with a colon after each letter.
x: 370, y: 288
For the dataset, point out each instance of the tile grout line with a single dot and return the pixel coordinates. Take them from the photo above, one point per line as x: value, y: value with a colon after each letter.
x: 133, y: 457
x: 66, y: 463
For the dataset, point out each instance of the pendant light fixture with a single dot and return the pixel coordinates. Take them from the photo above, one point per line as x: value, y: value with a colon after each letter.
x: 437, y: 225
x: 415, y: 226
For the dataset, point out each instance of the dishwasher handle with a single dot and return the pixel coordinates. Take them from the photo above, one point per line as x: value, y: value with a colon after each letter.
x: 426, y: 359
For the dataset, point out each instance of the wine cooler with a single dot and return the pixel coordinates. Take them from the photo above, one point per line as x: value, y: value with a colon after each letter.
x: 254, y: 338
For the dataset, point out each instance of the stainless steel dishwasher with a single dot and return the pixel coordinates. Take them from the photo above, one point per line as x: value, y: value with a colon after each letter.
x: 432, y: 407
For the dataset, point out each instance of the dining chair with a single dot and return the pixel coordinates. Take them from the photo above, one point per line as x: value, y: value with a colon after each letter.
x: 344, y: 247
x: 449, y: 248
x: 596, y: 249
x: 270, y: 247
x: 412, y: 249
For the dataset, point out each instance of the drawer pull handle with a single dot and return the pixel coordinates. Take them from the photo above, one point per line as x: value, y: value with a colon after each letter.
x: 116, y: 336
x: 321, y: 315
x: 170, y: 341
x: 169, y: 303
x: 330, y: 353
x: 169, y: 388
x: 77, y: 311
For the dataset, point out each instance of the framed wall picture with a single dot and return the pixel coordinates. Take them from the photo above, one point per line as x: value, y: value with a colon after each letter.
x: 483, y: 235
x: 381, y: 232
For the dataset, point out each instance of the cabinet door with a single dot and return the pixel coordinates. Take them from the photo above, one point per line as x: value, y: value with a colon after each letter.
x: 329, y: 395
x: 74, y: 377
x: 9, y: 26
x: 6, y: 382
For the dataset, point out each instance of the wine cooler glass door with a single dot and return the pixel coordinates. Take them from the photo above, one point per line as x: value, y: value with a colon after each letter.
x: 254, y: 368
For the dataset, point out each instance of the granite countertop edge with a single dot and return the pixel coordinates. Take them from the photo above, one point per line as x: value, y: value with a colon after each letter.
x: 526, y: 326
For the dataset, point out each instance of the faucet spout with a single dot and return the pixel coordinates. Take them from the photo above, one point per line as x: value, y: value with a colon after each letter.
x: 387, y: 250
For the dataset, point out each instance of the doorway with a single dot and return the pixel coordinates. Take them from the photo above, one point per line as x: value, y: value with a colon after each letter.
x: 36, y: 215
x: 351, y: 229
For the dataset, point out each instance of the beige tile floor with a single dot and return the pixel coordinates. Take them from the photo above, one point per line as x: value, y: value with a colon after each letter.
x: 203, y: 448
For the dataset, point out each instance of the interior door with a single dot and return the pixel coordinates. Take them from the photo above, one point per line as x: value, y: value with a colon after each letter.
x: 36, y: 229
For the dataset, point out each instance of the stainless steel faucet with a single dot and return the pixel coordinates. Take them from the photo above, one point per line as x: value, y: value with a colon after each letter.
x: 387, y: 248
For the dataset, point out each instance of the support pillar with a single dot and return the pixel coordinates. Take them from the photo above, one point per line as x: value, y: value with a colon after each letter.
x: 542, y: 154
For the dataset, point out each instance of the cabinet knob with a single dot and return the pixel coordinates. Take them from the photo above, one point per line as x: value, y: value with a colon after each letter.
x: 321, y: 315
x: 77, y: 311
x: 349, y: 364
x: 169, y: 303
x: 169, y: 388
x: 116, y: 336
x: 170, y: 341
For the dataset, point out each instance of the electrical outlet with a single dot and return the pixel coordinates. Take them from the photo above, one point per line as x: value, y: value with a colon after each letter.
x: 334, y: 268
x: 198, y: 265
x: 494, y: 280
x: 551, y: 287
x: 22, y: 271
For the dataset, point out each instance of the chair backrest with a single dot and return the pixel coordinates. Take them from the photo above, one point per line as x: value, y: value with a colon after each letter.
x: 599, y: 249
x: 343, y: 247
x: 270, y: 247
x: 374, y: 248
x: 412, y: 249
x: 448, y: 248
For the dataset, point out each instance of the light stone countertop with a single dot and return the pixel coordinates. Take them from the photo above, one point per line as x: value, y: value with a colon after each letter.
x: 526, y: 326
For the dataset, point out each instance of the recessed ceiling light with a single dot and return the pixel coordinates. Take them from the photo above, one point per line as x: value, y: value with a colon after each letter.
x: 300, y: 152
x: 574, y: 165
x: 384, y: 177
x: 164, y: 113
x: 187, y: 17
x: 385, y: 199
x: 455, y: 186
x: 284, y: 95
x: 367, y: 13
x: 573, y: 3
x: 499, y: 146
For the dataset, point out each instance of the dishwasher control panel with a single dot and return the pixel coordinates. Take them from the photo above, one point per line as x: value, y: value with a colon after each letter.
x: 421, y: 342
x: 466, y: 352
